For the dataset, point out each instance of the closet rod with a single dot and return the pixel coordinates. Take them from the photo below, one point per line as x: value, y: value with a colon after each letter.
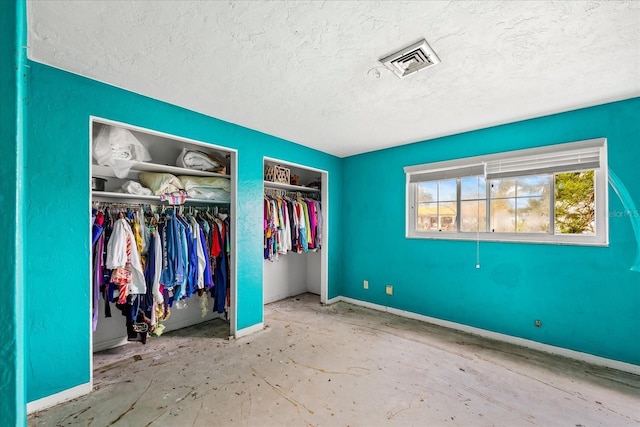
x: 275, y: 192
x: 160, y: 207
x: 101, y: 204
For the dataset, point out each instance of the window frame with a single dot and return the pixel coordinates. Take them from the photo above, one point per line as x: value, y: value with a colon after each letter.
x: 452, y: 168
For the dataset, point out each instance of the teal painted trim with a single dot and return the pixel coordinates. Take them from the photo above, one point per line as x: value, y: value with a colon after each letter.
x: 22, y: 102
x: 13, y: 87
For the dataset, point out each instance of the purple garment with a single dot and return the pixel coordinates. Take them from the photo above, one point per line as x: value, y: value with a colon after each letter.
x: 208, y: 282
x: 313, y: 222
x: 319, y: 225
x: 97, y: 278
x: 219, y: 291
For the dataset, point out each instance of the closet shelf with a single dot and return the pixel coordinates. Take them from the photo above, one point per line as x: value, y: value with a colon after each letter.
x: 136, y: 167
x: 109, y: 196
x: 270, y: 184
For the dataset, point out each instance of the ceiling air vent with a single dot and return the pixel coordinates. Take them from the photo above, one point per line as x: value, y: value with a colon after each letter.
x: 411, y: 59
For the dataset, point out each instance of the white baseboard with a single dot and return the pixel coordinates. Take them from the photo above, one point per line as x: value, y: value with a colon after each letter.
x: 54, y: 399
x: 249, y: 330
x: 585, y: 357
x: 334, y: 300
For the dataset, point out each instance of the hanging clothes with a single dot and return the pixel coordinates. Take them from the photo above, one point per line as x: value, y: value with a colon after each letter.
x: 291, y: 225
x: 220, y: 275
x: 124, y: 260
x: 145, y: 263
x: 98, y: 266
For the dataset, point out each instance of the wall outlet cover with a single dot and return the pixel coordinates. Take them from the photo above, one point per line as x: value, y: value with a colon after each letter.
x: 389, y: 289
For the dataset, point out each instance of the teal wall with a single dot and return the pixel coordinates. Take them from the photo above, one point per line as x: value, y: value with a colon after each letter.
x: 586, y: 297
x: 57, y: 188
x: 12, y: 138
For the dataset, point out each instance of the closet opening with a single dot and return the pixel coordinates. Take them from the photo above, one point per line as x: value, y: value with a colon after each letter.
x: 296, y: 224
x: 162, y: 237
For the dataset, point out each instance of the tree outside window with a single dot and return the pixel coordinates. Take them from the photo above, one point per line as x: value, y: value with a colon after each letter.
x: 575, y: 203
x: 515, y: 205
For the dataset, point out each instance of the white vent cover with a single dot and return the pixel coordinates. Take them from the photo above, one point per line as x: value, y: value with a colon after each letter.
x: 411, y: 59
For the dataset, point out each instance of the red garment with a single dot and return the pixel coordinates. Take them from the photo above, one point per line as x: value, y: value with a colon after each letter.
x: 99, y: 219
x: 216, y: 248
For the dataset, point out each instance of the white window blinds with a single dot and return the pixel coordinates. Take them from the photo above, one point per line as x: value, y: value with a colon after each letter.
x: 574, y: 156
x: 451, y: 173
x: 577, y: 156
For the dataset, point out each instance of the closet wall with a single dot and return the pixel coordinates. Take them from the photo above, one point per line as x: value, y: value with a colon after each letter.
x: 164, y: 151
x: 292, y: 274
x: 57, y: 182
x: 296, y: 273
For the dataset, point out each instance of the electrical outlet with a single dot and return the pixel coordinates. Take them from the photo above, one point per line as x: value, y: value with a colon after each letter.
x: 537, y: 323
x: 365, y: 284
x: 389, y: 290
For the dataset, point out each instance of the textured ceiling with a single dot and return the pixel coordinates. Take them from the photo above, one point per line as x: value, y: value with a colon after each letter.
x: 308, y: 71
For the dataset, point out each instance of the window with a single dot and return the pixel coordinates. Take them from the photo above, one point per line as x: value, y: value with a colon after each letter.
x: 552, y: 194
x: 437, y: 205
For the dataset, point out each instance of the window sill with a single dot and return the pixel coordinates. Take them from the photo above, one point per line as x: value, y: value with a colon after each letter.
x: 543, y: 239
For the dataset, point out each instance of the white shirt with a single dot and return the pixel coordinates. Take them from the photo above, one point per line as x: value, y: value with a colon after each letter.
x: 117, y: 256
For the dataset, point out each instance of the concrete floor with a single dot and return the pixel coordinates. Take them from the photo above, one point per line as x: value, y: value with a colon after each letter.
x: 343, y: 365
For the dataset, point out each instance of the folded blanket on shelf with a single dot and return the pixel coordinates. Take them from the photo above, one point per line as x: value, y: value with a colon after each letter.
x: 207, y: 188
x: 213, y: 194
x: 160, y: 183
x: 197, y: 160
x: 134, y: 187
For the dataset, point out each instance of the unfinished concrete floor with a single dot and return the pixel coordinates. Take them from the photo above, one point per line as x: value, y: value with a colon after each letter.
x: 343, y: 365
